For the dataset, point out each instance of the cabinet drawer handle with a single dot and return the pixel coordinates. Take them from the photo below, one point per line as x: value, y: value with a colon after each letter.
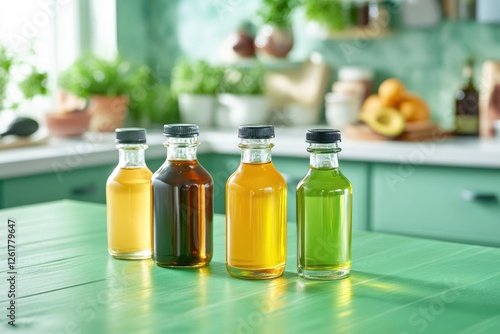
x: 84, y: 190
x: 476, y: 196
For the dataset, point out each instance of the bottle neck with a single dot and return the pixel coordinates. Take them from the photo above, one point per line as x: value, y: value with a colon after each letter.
x: 256, y: 150
x: 131, y: 155
x: 181, y: 148
x: 468, y: 77
x: 324, y: 156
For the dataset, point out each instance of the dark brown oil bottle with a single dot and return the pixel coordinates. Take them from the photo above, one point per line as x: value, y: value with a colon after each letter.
x: 467, y: 105
x: 182, y: 203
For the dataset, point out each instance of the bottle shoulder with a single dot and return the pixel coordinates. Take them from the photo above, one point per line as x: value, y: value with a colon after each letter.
x: 465, y: 92
x: 182, y: 171
x: 325, y: 179
x: 257, y: 175
x: 130, y: 175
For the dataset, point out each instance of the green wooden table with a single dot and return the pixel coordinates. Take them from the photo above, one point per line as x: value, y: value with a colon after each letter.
x: 67, y: 283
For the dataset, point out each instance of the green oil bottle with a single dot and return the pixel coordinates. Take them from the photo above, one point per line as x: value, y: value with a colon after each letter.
x: 324, y: 211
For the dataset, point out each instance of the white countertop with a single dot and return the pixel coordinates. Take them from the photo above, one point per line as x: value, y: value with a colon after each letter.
x: 98, y: 149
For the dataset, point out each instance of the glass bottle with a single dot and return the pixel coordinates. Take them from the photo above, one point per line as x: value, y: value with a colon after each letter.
x: 256, y: 209
x: 467, y: 105
x: 128, y: 198
x: 324, y: 198
x: 182, y: 203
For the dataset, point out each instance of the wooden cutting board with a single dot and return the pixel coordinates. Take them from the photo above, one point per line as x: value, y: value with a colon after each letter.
x: 418, y: 131
x: 39, y: 138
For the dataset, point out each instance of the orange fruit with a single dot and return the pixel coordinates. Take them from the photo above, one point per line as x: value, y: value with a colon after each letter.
x: 371, y: 105
x: 391, y: 92
x: 414, y: 108
x: 408, y: 109
x: 372, y: 102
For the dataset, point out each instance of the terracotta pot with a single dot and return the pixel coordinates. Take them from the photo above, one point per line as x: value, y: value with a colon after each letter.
x: 274, y: 42
x: 69, y: 124
x: 108, y: 112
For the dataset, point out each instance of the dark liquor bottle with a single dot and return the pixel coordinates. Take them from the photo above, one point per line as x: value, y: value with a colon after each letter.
x: 182, y: 203
x: 467, y: 105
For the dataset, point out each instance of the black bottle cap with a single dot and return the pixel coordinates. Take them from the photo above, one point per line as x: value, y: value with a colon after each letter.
x: 181, y: 130
x: 323, y: 136
x: 130, y: 135
x: 256, y: 131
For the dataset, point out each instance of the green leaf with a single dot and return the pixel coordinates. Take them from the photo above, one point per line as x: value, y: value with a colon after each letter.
x: 34, y: 84
x: 90, y: 75
x: 277, y: 12
x: 151, y: 99
x: 196, y: 77
x: 328, y: 13
x: 243, y: 81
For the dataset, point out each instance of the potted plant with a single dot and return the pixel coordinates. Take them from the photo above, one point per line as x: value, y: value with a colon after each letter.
x: 29, y: 81
x: 348, y: 19
x: 242, y: 97
x: 275, y: 38
x: 328, y: 14
x: 106, y: 84
x: 20, y: 82
x: 6, y: 61
x: 196, y: 83
x: 151, y: 101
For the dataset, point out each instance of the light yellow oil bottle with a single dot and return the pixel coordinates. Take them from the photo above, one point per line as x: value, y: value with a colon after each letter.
x: 128, y: 199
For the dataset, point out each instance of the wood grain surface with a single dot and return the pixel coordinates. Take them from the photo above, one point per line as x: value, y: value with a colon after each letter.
x: 417, y: 131
x: 67, y: 283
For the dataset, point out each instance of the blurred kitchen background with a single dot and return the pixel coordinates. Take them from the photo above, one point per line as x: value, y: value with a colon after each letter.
x: 401, y: 79
x: 423, y: 43
x: 418, y: 42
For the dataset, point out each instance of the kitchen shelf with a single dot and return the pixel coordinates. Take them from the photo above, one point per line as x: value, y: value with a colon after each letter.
x: 316, y: 31
x: 359, y: 33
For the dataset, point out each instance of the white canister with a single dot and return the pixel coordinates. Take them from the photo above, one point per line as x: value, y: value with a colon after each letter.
x: 244, y: 109
x: 197, y: 109
x: 354, y: 89
x: 360, y: 75
x: 341, y: 109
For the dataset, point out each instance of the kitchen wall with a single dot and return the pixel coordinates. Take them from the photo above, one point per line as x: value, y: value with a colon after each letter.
x: 428, y: 60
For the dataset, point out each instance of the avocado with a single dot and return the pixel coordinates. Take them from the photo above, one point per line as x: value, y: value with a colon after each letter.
x: 387, y: 122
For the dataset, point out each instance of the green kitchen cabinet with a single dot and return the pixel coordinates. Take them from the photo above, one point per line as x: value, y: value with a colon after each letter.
x: 154, y: 164
x: 449, y: 203
x: 82, y: 184
x: 85, y: 184
x: 357, y: 173
x: 456, y: 204
x: 220, y: 166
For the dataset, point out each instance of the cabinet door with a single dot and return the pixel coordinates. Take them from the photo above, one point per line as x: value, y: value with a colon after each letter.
x: 221, y: 167
x: 154, y: 164
x: 458, y: 204
x: 357, y: 173
x: 86, y: 184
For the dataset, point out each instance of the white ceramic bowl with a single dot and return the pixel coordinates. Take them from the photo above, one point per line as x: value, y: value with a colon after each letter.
x: 197, y: 109
x: 245, y: 109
